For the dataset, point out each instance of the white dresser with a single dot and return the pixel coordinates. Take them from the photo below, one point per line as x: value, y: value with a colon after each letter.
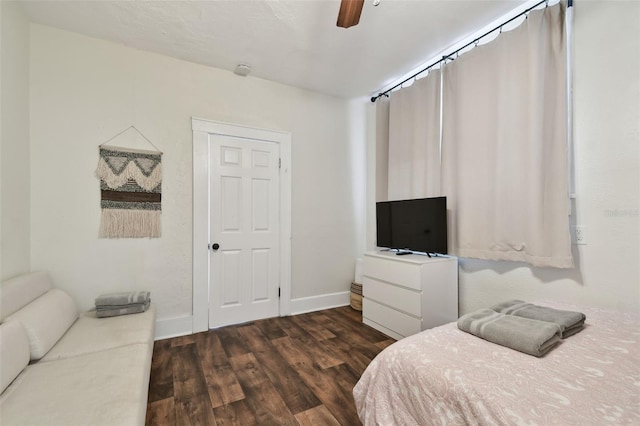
x: 403, y: 295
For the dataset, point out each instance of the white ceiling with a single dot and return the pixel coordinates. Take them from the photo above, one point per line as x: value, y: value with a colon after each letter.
x: 295, y: 42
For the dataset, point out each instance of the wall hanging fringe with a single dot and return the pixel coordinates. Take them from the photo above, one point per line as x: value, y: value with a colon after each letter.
x: 131, y: 192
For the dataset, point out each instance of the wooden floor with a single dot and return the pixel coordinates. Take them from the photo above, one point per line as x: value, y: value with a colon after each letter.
x: 297, y: 370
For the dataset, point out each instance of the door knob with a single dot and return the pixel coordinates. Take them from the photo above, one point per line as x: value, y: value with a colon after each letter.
x: 215, y: 246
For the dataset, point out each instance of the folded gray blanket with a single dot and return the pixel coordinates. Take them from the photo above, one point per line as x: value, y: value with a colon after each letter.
x: 128, y: 305
x: 134, y: 308
x: 124, y: 298
x: 522, y: 334
x: 570, y: 322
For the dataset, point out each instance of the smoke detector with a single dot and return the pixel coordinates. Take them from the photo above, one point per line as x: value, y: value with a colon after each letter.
x: 242, y: 70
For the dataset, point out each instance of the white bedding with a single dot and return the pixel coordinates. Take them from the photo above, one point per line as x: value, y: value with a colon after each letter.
x: 446, y: 376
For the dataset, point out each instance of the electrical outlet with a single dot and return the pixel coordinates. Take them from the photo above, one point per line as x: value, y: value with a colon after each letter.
x: 580, y: 235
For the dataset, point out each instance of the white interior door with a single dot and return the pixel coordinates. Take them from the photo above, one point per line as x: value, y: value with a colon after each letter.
x: 244, y: 230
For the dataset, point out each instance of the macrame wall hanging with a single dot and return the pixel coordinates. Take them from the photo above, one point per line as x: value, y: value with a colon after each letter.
x: 131, y: 191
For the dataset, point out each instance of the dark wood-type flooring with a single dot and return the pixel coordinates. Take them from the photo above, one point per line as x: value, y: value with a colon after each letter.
x: 297, y: 370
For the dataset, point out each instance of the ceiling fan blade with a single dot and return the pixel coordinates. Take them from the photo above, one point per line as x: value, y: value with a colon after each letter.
x: 349, y: 14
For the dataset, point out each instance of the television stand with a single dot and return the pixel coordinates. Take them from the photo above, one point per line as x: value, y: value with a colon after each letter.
x: 407, y: 294
x: 399, y: 252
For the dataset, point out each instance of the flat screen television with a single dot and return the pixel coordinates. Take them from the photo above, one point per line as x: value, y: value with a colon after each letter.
x: 418, y: 225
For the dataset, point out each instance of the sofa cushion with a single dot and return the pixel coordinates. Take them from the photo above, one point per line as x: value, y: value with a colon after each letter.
x: 102, y: 388
x: 45, y: 320
x: 92, y: 334
x: 22, y: 290
x: 14, y: 352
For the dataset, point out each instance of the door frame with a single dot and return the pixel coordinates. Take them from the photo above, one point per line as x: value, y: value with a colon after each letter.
x: 202, y: 130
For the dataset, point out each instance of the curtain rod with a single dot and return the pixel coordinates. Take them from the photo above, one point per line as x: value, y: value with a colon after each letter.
x: 476, y: 40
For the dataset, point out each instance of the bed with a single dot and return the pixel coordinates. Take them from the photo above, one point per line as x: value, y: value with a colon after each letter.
x: 444, y: 376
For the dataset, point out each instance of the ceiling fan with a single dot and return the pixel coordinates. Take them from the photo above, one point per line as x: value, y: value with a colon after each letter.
x: 350, y: 11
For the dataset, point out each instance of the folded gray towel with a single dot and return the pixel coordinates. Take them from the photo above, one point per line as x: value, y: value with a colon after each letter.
x: 124, y: 298
x: 128, y: 305
x: 570, y: 322
x: 522, y: 334
x: 135, y: 308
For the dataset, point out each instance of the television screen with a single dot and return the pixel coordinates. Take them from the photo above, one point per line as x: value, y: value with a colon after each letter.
x: 417, y: 225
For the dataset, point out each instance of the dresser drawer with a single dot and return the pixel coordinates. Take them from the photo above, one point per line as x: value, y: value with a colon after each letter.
x: 400, y: 298
x: 401, y: 323
x: 395, y: 272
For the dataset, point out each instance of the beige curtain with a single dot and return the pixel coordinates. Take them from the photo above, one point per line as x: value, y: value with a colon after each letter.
x: 382, y: 148
x: 504, y: 146
x: 414, y: 140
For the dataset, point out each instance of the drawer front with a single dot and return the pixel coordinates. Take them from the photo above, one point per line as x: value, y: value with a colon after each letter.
x: 400, y: 298
x: 401, y: 323
x: 400, y: 273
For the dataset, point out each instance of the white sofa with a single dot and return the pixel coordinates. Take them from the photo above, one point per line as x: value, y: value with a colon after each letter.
x: 58, y: 367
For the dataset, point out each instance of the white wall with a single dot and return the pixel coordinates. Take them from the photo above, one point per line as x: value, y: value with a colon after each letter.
x: 607, y: 161
x: 14, y: 142
x: 84, y: 91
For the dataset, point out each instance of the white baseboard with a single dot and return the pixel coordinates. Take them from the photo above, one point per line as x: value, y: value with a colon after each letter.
x: 318, y: 303
x: 174, y: 327
x: 182, y: 326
